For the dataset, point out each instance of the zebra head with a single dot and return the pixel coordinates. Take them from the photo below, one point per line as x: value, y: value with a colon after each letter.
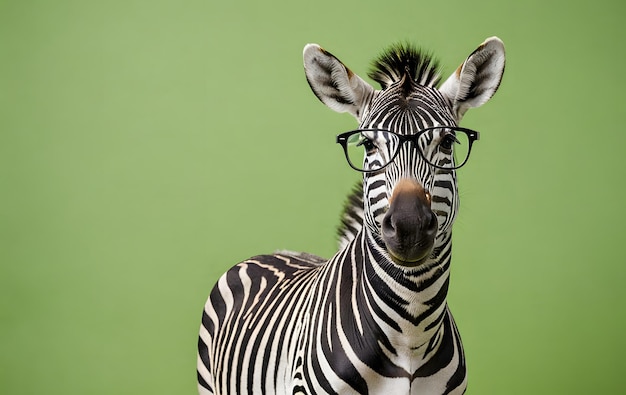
x: 408, y: 138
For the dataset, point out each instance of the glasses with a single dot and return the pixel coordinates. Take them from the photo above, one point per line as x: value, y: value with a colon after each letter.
x: 443, y: 147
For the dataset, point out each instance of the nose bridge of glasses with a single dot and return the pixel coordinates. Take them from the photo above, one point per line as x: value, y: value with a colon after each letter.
x: 408, y: 142
x: 412, y: 140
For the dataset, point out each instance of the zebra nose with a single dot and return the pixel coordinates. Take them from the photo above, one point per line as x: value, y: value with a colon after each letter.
x: 409, y: 226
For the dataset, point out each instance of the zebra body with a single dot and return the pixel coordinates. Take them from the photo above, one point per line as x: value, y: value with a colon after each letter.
x: 373, y: 319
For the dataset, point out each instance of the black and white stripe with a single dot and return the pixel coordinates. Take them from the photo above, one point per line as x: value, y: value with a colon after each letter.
x: 360, y: 322
x: 313, y: 325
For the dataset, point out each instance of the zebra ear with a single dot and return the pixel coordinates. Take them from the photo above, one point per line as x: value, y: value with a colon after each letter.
x: 477, y: 79
x: 335, y: 84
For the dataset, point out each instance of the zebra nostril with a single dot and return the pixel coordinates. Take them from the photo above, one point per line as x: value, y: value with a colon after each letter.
x: 432, y: 224
x: 387, y: 227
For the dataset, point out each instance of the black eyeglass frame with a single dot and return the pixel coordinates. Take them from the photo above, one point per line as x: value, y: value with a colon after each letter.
x: 472, y: 136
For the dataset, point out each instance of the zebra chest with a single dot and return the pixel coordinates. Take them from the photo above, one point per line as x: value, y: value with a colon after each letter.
x: 332, y: 358
x: 328, y: 360
x: 365, y: 380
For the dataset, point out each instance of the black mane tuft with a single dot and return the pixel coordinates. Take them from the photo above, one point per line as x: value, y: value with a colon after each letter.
x: 404, y: 59
x: 352, y: 216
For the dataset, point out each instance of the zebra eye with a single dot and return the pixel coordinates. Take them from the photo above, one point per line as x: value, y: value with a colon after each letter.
x: 447, y: 142
x: 368, y: 145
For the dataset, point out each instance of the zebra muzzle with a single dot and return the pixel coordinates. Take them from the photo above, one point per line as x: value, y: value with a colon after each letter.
x: 409, y: 226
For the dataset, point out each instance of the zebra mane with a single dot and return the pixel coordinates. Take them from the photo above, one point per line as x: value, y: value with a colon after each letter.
x: 405, y: 60
x: 352, y: 216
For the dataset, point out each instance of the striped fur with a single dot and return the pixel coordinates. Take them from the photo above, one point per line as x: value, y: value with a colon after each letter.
x: 279, y: 341
x: 358, y: 323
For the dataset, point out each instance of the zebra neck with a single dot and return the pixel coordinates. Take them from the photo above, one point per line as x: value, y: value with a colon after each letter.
x: 404, y: 306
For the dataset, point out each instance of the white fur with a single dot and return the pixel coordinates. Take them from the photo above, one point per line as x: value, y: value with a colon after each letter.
x: 330, y: 79
x: 477, y: 79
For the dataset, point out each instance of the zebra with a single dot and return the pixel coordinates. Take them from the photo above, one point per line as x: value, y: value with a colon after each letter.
x: 373, y: 319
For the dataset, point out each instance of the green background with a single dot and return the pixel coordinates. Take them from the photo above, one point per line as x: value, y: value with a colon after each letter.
x: 147, y: 146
